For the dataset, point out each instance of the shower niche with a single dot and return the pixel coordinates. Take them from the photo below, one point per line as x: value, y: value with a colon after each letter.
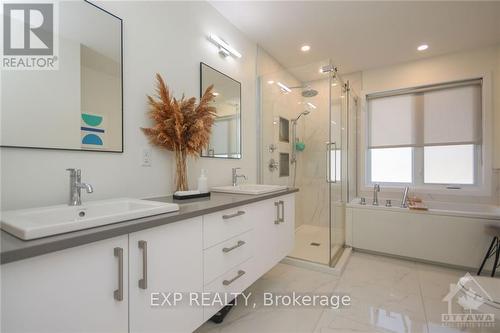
x: 284, y: 130
x: 284, y: 165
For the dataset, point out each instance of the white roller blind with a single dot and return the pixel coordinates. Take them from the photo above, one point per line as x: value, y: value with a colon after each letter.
x: 437, y: 115
x: 452, y: 116
x: 393, y: 121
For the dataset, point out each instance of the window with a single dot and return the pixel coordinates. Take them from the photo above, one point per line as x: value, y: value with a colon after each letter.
x: 449, y: 165
x: 391, y: 165
x: 425, y: 136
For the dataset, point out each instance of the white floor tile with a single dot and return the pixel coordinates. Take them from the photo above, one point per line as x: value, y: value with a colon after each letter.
x: 387, y: 295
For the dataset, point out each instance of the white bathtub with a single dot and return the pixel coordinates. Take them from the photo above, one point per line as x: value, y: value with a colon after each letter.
x: 448, y: 233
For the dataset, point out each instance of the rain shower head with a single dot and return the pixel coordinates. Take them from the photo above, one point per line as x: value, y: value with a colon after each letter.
x: 309, y: 92
x: 306, y: 91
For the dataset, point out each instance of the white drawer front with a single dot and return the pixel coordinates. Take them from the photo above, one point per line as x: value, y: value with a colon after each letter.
x: 235, y: 280
x: 220, y: 226
x: 220, y: 258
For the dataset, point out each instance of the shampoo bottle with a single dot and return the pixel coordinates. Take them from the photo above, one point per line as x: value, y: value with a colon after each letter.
x: 202, y: 182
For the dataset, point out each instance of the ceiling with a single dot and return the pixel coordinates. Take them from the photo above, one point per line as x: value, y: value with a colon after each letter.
x: 362, y: 35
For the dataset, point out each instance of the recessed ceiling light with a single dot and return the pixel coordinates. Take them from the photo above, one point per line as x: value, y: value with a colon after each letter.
x: 305, y: 48
x: 215, y: 93
x: 270, y: 82
x: 423, y: 47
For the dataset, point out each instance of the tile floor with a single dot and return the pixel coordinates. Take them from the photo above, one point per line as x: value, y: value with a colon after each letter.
x: 388, y: 295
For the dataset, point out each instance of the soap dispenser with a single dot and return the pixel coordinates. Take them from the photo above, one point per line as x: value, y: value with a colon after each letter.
x: 203, y: 182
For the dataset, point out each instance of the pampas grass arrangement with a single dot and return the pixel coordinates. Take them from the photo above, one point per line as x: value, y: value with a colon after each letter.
x: 180, y: 126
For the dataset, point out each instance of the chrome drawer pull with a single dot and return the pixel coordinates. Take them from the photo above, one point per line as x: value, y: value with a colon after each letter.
x: 230, y: 216
x: 228, y: 282
x: 118, y: 293
x: 229, y: 249
x: 143, y: 283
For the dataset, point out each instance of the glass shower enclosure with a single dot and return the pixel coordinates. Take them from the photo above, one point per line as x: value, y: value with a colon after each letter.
x: 308, y: 141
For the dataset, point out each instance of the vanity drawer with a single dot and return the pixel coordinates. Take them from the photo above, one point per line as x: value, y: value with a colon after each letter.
x: 220, y: 258
x: 220, y: 226
x: 236, y: 280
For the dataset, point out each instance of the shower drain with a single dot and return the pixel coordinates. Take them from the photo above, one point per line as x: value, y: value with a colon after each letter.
x: 315, y: 244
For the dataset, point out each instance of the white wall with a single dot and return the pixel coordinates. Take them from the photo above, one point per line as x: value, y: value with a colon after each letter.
x: 164, y: 37
x: 444, y: 68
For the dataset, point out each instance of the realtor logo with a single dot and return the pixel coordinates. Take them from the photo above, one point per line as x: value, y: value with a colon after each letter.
x: 470, y: 295
x: 28, y: 29
x: 28, y: 36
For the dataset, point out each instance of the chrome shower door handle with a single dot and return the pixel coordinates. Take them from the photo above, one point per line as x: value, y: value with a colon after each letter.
x: 143, y: 283
x: 118, y: 293
x: 335, y: 163
x: 328, y: 160
x: 327, y: 168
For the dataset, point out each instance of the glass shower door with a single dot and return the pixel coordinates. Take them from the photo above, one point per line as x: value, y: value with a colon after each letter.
x: 337, y: 176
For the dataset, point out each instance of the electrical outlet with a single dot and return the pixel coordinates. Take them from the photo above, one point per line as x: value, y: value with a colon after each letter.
x: 147, y: 157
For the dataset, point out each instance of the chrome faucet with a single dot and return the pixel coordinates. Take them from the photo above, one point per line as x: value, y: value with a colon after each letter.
x: 75, y: 187
x: 376, y: 189
x: 404, y: 201
x: 236, y: 176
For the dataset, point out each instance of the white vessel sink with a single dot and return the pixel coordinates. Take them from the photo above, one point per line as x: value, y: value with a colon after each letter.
x: 249, y: 189
x: 47, y: 221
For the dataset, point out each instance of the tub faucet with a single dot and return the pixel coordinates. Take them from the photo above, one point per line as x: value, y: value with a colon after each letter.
x: 376, y: 189
x: 404, y: 201
x: 236, y: 176
x: 75, y: 187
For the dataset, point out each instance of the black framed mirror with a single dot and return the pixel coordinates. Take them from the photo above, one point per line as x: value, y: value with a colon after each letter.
x: 79, y: 104
x: 225, y: 141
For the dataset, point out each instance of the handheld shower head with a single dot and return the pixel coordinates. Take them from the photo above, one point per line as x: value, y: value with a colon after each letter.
x: 303, y: 113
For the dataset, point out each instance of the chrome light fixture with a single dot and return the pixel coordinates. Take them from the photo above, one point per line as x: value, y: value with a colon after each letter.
x: 224, y: 48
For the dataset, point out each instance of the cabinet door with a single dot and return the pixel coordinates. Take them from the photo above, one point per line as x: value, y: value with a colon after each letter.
x: 274, y: 221
x: 286, y: 232
x: 166, y: 259
x: 68, y: 291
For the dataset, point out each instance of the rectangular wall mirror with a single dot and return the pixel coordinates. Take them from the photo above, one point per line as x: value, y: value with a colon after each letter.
x: 79, y: 105
x: 225, y: 141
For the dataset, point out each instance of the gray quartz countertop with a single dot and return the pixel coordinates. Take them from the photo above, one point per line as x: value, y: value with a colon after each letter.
x: 14, y: 249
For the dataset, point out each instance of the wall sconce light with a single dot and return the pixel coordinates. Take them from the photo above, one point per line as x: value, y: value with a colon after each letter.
x: 224, y: 48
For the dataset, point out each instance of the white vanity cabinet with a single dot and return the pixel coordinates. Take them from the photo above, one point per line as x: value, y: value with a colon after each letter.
x: 107, y: 286
x: 165, y: 259
x: 81, y: 289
